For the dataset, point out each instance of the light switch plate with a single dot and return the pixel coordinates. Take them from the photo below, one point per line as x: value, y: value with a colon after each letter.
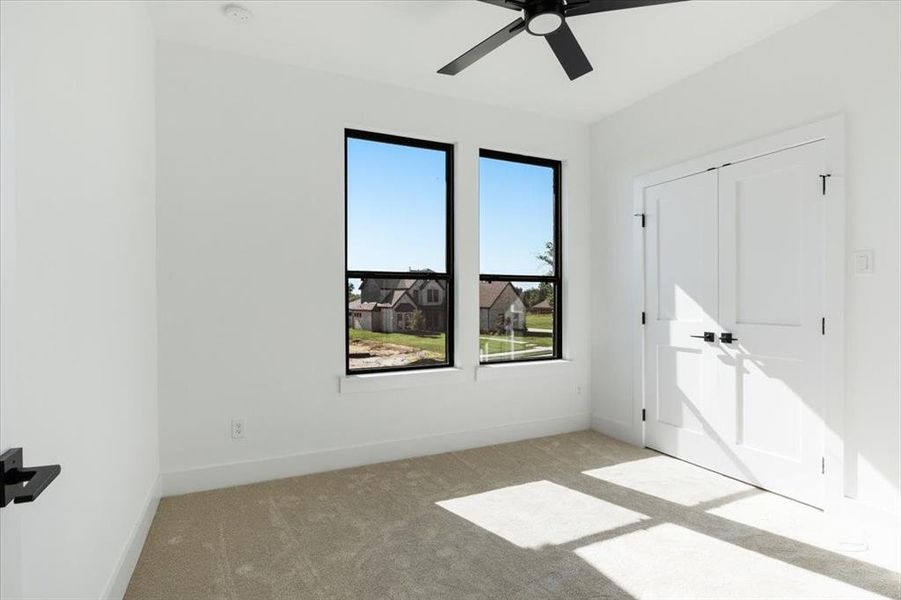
x: 863, y: 262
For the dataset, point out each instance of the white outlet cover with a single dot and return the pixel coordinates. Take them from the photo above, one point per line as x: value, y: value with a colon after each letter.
x: 862, y: 262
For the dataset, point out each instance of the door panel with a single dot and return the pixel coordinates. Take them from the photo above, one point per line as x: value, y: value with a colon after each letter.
x: 681, y: 213
x: 767, y: 249
x: 765, y: 389
x: 680, y: 382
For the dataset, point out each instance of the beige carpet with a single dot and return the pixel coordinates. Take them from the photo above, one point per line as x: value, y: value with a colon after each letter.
x: 571, y: 516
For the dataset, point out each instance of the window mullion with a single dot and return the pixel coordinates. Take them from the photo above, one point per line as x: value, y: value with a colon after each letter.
x: 395, y: 275
x: 499, y: 277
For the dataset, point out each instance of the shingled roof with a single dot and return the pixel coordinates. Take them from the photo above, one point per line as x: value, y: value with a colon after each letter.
x: 489, y: 292
x: 358, y: 305
x: 388, y: 292
x: 388, y: 299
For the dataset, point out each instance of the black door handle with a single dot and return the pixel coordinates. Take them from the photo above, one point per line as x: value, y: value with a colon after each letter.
x: 707, y: 337
x: 727, y: 338
x: 20, y: 484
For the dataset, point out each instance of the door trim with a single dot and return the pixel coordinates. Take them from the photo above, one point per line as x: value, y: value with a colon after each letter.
x: 832, y: 131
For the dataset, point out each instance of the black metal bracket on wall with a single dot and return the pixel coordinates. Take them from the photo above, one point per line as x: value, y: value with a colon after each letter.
x: 20, y: 484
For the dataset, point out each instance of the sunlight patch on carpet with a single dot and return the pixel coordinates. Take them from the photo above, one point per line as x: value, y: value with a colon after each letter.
x: 670, y: 479
x: 669, y: 561
x: 540, y: 513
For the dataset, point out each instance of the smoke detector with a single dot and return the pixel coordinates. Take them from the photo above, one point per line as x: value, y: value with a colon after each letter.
x: 237, y: 13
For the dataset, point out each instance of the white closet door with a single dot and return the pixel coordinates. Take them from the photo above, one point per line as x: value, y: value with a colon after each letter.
x: 739, y: 250
x: 681, y: 302
x: 770, y: 299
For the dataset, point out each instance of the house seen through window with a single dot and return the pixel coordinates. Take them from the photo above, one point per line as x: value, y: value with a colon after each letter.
x: 399, y: 253
x: 520, y: 272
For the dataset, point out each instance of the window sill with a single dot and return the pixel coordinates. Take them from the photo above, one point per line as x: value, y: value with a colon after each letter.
x: 376, y: 382
x: 543, y: 368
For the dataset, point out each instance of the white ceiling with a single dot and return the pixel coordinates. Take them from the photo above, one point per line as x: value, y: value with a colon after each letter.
x: 634, y: 52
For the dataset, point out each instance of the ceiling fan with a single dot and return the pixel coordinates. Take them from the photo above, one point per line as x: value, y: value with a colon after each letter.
x: 547, y: 19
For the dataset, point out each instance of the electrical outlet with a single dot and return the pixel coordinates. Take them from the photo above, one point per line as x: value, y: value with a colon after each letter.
x: 237, y: 429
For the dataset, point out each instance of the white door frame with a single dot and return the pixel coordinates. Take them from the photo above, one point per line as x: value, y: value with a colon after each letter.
x: 832, y: 131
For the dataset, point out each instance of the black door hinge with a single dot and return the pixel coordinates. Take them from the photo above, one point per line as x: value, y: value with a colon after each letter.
x: 644, y: 414
x: 643, y: 318
x: 823, y: 325
x: 823, y: 178
x: 643, y: 218
x: 823, y: 466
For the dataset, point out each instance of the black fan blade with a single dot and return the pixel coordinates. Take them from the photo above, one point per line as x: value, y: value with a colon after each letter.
x: 511, y: 4
x: 575, y: 8
x: 569, y: 52
x: 483, y: 48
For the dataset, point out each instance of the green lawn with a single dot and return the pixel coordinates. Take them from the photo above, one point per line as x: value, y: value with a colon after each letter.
x: 430, y: 343
x: 491, y: 344
x: 539, y: 321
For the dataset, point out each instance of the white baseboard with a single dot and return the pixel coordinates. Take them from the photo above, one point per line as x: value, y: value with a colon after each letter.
x: 618, y: 430
x: 241, y: 473
x: 118, y: 583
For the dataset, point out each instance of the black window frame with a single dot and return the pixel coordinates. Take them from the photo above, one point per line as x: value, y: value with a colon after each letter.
x: 557, y: 278
x: 447, y: 276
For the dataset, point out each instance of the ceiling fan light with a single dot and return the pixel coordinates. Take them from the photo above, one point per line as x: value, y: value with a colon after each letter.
x: 544, y: 23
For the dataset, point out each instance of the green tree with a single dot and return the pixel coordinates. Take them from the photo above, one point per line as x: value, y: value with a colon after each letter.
x: 547, y: 257
x: 531, y: 297
x: 350, y: 292
x: 546, y: 292
x: 545, y: 289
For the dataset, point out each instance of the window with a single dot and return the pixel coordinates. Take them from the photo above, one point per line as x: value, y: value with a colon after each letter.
x: 398, y: 253
x: 520, y: 311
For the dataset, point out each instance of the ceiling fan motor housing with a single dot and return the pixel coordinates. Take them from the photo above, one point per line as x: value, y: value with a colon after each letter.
x: 543, y: 17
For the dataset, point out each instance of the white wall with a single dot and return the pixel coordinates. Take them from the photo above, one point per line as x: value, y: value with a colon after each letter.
x: 78, y: 244
x: 251, y: 290
x: 844, y: 60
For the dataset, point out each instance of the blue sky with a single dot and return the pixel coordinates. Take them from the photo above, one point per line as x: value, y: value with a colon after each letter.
x: 516, y: 216
x: 395, y: 203
x: 395, y: 207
